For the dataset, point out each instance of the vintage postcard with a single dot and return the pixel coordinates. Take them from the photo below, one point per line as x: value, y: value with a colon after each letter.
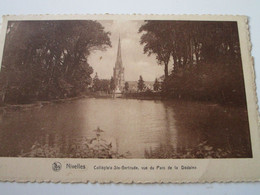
x: 127, y: 98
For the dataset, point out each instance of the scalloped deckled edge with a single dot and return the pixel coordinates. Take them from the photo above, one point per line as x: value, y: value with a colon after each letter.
x: 253, y: 74
x: 117, y: 181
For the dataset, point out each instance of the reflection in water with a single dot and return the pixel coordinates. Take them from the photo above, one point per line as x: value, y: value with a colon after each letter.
x: 146, y: 129
x: 206, y: 131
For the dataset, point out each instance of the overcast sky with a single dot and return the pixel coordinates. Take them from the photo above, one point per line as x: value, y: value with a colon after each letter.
x: 134, y: 61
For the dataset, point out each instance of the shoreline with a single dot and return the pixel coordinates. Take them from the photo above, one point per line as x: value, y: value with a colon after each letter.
x: 137, y: 96
x: 37, y: 104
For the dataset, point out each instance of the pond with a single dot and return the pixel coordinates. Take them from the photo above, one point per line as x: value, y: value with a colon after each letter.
x: 133, y: 128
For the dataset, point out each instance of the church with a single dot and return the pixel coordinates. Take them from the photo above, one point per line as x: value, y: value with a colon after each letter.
x: 118, y: 74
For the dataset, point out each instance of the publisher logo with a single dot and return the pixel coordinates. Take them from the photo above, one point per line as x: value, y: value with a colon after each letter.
x: 56, y: 166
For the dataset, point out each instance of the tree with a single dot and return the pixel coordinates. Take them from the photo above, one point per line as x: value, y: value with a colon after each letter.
x: 112, y: 84
x: 49, y: 58
x: 203, y: 54
x: 126, y: 86
x: 104, y: 85
x: 156, y: 85
x: 140, y: 85
x: 96, y: 83
x: 157, y: 40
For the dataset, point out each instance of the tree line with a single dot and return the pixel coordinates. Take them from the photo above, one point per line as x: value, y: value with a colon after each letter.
x: 201, y: 59
x: 108, y: 86
x: 45, y: 60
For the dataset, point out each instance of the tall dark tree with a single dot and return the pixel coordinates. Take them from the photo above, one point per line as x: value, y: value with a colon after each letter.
x: 96, y: 83
x: 126, y: 88
x: 49, y: 58
x: 112, y: 84
x: 156, y: 40
x: 205, y: 56
x: 105, y: 85
x: 156, y: 85
x: 140, y: 85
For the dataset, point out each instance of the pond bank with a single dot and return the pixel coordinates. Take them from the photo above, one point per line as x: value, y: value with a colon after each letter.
x: 136, y: 95
x: 36, y: 104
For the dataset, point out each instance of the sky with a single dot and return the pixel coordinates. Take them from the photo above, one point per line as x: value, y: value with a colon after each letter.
x: 135, y: 62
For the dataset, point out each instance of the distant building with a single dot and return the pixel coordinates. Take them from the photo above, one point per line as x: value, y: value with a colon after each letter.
x: 119, y: 71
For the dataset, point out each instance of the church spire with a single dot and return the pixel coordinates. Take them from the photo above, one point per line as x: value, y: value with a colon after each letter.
x: 119, y: 57
x: 119, y: 70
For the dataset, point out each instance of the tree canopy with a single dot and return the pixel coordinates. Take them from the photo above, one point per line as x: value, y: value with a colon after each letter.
x: 49, y: 59
x: 156, y: 85
x: 140, y: 84
x: 112, y: 84
x: 126, y: 87
x: 203, y: 56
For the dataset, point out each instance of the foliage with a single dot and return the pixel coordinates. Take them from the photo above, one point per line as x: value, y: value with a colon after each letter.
x: 156, y: 85
x: 112, y: 84
x: 96, y: 83
x: 204, y: 58
x: 157, y: 40
x: 202, y: 150
x: 88, y: 148
x: 105, y: 85
x: 45, y: 60
x: 126, y: 88
x: 140, y: 85
x: 100, y: 85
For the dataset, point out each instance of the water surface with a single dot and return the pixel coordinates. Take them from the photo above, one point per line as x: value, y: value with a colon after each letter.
x: 140, y: 127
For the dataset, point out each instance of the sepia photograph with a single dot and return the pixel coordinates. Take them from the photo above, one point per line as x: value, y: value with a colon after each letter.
x: 123, y: 89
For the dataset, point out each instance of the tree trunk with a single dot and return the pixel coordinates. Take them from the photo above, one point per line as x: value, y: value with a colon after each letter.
x: 166, y: 69
x: 5, y: 91
x: 3, y: 96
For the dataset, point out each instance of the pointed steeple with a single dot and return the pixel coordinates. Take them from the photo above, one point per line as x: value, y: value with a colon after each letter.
x: 119, y: 57
x: 119, y: 70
